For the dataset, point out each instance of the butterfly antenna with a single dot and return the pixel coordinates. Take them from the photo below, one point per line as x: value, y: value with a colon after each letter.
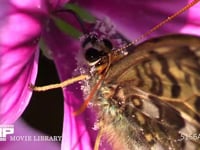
x: 160, y: 24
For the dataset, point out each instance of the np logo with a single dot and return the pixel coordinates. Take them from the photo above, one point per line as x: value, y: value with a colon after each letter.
x: 5, y: 130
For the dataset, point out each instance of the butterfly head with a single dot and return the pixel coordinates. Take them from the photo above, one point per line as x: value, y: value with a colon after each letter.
x: 96, y: 50
x: 100, y: 52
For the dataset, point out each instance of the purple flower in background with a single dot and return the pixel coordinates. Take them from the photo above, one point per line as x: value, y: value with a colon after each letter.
x: 23, y: 24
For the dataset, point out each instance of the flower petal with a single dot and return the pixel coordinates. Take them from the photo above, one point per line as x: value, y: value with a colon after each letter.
x: 133, y: 18
x: 19, y: 34
x: 75, y: 129
x: 193, y: 22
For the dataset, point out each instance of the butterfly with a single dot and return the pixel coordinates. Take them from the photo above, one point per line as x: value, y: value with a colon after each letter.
x: 150, y: 98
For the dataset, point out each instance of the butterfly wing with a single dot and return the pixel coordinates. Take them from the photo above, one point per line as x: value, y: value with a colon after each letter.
x: 156, y: 91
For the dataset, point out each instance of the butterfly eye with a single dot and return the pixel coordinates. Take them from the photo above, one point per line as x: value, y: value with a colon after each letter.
x: 107, y: 43
x: 92, y: 55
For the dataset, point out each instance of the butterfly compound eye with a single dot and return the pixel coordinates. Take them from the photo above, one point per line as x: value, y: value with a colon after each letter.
x: 92, y: 55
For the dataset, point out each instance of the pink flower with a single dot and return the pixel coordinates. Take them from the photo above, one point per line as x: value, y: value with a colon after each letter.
x: 23, y: 24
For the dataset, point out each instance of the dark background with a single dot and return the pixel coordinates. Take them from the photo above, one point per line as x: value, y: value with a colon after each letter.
x: 45, y: 110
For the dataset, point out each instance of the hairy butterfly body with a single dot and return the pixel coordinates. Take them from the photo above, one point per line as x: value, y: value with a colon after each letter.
x: 150, y: 99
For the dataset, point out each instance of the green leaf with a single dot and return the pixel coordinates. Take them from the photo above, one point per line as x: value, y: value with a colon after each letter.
x: 45, y: 49
x: 67, y: 28
x: 82, y: 13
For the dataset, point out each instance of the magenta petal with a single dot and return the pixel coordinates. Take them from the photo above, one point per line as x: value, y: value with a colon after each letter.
x: 19, y: 35
x: 76, y: 136
x: 133, y: 18
x: 76, y: 130
x: 193, y: 22
x: 15, y: 78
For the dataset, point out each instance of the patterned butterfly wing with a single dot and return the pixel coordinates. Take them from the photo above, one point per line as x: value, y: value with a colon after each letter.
x: 150, y: 99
